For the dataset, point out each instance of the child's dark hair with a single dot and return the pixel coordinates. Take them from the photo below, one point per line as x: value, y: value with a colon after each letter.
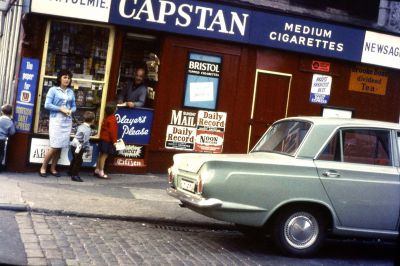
x: 110, y: 108
x: 7, y: 109
x: 64, y: 72
x: 88, y: 116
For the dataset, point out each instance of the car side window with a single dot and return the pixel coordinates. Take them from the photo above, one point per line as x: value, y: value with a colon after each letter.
x: 367, y: 146
x: 331, y: 151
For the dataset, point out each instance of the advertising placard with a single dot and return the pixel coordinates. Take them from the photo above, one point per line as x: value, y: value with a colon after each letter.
x: 134, y: 125
x: 39, y: 147
x: 98, y: 10
x: 205, y: 134
x: 26, y: 94
x: 320, y: 66
x: 180, y: 138
x: 210, y: 131
x: 368, y: 79
x: 131, y: 156
x: 320, y: 89
x: 202, y: 80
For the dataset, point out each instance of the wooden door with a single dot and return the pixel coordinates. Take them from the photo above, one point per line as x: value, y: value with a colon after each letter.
x: 270, y: 102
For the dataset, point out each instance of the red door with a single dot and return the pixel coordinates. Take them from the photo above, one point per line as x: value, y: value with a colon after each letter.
x: 270, y: 102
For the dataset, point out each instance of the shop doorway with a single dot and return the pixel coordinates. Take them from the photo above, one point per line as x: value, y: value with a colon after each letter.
x: 139, y: 51
x: 270, y: 102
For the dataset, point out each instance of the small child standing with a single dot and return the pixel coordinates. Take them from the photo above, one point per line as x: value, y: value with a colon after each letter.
x: 7, y: 129
x: 80, y: 144
x: 108, y: 139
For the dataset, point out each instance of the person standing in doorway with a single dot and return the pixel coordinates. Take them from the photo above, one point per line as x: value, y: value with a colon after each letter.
x: 60, y: 101
x: 134, y: 95
x: 7, y: 128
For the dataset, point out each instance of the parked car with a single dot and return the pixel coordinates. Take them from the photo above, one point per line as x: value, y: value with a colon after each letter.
x: 306, y: 177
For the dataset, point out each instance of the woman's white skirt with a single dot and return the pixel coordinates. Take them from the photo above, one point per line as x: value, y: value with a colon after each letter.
x: 60, y: 130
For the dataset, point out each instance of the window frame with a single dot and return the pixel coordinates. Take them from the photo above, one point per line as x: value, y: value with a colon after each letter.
x: 393, y: 145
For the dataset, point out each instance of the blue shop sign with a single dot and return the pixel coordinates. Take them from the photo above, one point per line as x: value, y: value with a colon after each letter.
x: 230, y: 23
x: 26, y: 94
x: 134, y: 125
x: 185, y: 17
x: 306, y: 36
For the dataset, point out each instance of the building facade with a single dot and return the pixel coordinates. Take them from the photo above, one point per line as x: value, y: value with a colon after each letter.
x: 219, y: 73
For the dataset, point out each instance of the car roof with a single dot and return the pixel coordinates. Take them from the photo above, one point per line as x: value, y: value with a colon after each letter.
x: 335, y: 121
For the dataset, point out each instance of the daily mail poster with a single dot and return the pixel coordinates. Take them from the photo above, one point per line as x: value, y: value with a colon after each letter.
x: 200, y: 132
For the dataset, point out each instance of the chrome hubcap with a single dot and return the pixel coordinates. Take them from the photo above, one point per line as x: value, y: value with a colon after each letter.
x: 301, y: 230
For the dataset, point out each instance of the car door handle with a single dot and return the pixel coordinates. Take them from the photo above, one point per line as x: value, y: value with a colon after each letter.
x: 330, y: 173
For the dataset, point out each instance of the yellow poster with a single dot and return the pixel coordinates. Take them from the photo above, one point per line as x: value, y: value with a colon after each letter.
x: 368, y: 79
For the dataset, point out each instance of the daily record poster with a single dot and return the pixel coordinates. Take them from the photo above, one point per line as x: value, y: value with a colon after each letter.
x: 201, y: 131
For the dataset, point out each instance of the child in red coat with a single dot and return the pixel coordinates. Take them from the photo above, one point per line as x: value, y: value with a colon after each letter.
x: 108, y: 139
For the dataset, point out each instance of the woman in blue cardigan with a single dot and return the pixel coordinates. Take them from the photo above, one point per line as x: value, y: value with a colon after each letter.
x: 60, y: 101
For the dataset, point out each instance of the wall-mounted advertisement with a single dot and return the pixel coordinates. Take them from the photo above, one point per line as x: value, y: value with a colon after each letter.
x: 320, y: 89
x: 368, y: 79
x: 210, y: 131
x: 39, y: 147
x: 131, y: 156
x: 134, y: 125
x: 201, y: 131
x: 202, y: 81
x: 26, y: 94
x: 88, y: 10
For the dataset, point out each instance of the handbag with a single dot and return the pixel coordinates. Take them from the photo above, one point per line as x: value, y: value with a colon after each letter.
x: 120, y: 145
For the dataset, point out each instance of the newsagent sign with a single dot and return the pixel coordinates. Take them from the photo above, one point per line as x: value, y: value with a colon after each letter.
x: 201, y: 131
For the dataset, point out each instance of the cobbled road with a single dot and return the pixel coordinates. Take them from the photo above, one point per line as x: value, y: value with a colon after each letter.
x: 66, y: 240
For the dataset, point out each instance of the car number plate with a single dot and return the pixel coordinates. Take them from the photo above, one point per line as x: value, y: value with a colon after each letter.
x: 189, y: 186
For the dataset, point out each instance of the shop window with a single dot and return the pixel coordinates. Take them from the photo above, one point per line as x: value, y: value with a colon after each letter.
x: 85, y: 50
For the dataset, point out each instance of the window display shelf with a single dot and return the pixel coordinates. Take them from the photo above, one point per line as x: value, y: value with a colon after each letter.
x: 85, y: 50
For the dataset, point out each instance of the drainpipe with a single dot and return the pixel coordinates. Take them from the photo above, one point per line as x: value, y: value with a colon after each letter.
x: 384, y: 11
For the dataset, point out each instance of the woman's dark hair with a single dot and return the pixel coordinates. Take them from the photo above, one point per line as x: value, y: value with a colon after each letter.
x: 64, y: 72
x: 110, y: 108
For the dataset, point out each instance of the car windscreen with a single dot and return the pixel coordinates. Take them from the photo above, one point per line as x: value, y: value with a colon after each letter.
x: 283, y: 137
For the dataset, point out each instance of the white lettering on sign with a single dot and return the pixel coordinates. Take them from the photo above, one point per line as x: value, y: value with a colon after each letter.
x: 131, y: 131
x: 207, y: 19
x: 129, y: 121
x: 181, y: 118
x: 381, y: 49
x: 312, y: 37
x: 96, y: 10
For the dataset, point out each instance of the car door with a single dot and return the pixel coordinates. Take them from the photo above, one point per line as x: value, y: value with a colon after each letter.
x: 357, y: 170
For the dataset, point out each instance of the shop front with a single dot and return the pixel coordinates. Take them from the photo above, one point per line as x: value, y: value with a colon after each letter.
x: 217, y: 76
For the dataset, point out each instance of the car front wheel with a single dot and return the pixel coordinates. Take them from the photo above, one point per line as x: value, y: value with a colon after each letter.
x: 299, y: 232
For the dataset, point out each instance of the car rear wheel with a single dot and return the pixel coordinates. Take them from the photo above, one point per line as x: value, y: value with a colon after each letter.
x: 299, y: 232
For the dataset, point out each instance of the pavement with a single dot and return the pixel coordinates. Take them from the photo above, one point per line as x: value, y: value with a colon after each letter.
x: 124, y: 197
